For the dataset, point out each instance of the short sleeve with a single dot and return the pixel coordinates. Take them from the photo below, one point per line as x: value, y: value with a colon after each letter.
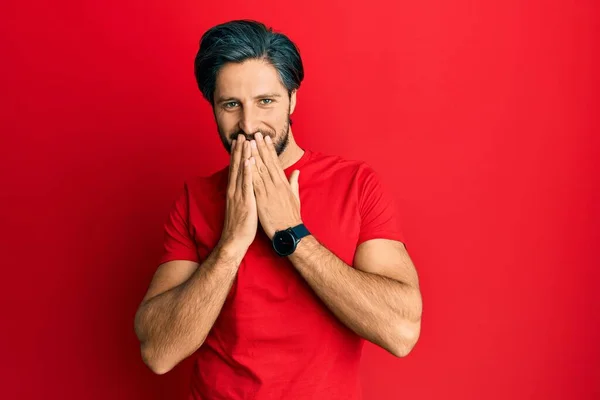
x: 178, y: 242
x: 378, y: 212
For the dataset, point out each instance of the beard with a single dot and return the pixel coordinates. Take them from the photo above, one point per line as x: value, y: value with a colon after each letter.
x: 280, y: 141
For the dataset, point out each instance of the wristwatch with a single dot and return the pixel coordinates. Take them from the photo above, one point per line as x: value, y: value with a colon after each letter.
x: 285, y: 242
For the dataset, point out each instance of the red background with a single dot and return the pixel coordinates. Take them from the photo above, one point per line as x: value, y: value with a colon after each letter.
x: 482, y: 118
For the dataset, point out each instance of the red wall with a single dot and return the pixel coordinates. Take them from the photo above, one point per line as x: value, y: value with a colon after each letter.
x: 481, y: 116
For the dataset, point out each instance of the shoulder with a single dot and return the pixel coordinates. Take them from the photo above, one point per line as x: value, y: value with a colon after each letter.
x: 358, y: 171
x: 209, y: 186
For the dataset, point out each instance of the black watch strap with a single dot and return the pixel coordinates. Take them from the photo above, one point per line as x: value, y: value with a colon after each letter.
x: 300, y: 231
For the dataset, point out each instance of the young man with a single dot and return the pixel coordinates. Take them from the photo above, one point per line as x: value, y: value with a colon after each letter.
x: 273, y: 278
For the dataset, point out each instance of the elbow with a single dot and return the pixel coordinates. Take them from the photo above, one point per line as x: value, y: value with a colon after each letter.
x: 154, y: 361
x: 405, y: 339
x: 150, y: 355
x: 402, y: 349
x: 160, y: 361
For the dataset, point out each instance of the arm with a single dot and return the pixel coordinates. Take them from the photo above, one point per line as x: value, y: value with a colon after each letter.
x: 181, y: 306
x: 185, y: 298
x: 379, y: 299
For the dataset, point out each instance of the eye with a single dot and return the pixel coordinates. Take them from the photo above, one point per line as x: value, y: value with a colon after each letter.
x: 230, y: 104
x: 266, y: 101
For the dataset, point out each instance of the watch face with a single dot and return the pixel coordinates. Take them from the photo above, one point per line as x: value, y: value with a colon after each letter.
x: 284, y: 243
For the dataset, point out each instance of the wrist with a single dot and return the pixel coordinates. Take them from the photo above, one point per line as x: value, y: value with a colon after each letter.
x: 305, y: 247
x: 231, y: 252
x: 283, y: 227
x: 285, y: 241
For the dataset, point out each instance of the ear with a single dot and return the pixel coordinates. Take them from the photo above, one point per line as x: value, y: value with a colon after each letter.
x: 293, y: 101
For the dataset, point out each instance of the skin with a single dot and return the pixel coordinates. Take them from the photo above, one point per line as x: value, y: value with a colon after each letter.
x: 261, y: 104
x: 379, y: 299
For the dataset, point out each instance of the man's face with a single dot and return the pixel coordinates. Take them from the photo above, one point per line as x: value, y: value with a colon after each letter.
x: 250, y: 98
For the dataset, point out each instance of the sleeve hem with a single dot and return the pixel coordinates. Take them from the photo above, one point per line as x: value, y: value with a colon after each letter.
x: 181, y: 256
x: 382, y: 235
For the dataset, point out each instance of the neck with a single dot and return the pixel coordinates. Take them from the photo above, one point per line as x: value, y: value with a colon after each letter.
x: 292, y: 152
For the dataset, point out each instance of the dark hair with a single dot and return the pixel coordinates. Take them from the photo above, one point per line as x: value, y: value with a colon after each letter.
x: 241, y: 40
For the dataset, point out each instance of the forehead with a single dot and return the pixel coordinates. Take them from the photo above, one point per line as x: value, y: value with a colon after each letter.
x: 250, y: 78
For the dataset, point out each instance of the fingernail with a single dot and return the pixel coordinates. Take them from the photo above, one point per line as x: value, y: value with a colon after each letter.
x: 258, y: 135
x: 268, y: 139
x: 253, y: 143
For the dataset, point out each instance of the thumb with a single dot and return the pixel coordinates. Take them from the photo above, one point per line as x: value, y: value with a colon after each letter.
x: 294, y: 183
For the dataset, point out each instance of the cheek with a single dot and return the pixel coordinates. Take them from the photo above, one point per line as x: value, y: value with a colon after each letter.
x: 226, y: 122
x: 278, y: 118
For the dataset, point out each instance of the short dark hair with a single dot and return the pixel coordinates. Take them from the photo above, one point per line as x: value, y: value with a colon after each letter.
x: 240, y: 40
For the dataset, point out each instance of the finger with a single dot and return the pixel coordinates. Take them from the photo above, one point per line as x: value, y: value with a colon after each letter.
x: 247, y: 186
x: 294, y: 184
x: 271, y: 149
x: 266, y: 157
x: 243, y: 159
x: 257, y: 180
x: 232, y: 166
x: 235, y: 161
x: 261, y: 169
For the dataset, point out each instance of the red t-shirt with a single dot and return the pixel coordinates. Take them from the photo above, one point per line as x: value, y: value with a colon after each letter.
x: 274, y: 338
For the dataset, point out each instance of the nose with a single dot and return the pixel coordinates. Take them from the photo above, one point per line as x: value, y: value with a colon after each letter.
x: 249, y: 122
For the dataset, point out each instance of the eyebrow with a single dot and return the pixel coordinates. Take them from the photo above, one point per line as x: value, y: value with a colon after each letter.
x: 262, y: 96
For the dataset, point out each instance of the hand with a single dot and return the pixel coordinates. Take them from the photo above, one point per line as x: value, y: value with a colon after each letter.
x: 241, y: 218
x: 277, y: 200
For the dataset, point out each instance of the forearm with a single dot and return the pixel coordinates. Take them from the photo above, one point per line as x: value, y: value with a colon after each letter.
x: 380, y: 309
x: 175, y: 323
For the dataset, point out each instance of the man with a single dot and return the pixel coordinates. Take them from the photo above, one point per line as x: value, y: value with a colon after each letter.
x: 273, y: 278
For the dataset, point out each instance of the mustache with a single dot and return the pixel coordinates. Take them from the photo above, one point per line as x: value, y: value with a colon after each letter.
x: 234, y: 135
